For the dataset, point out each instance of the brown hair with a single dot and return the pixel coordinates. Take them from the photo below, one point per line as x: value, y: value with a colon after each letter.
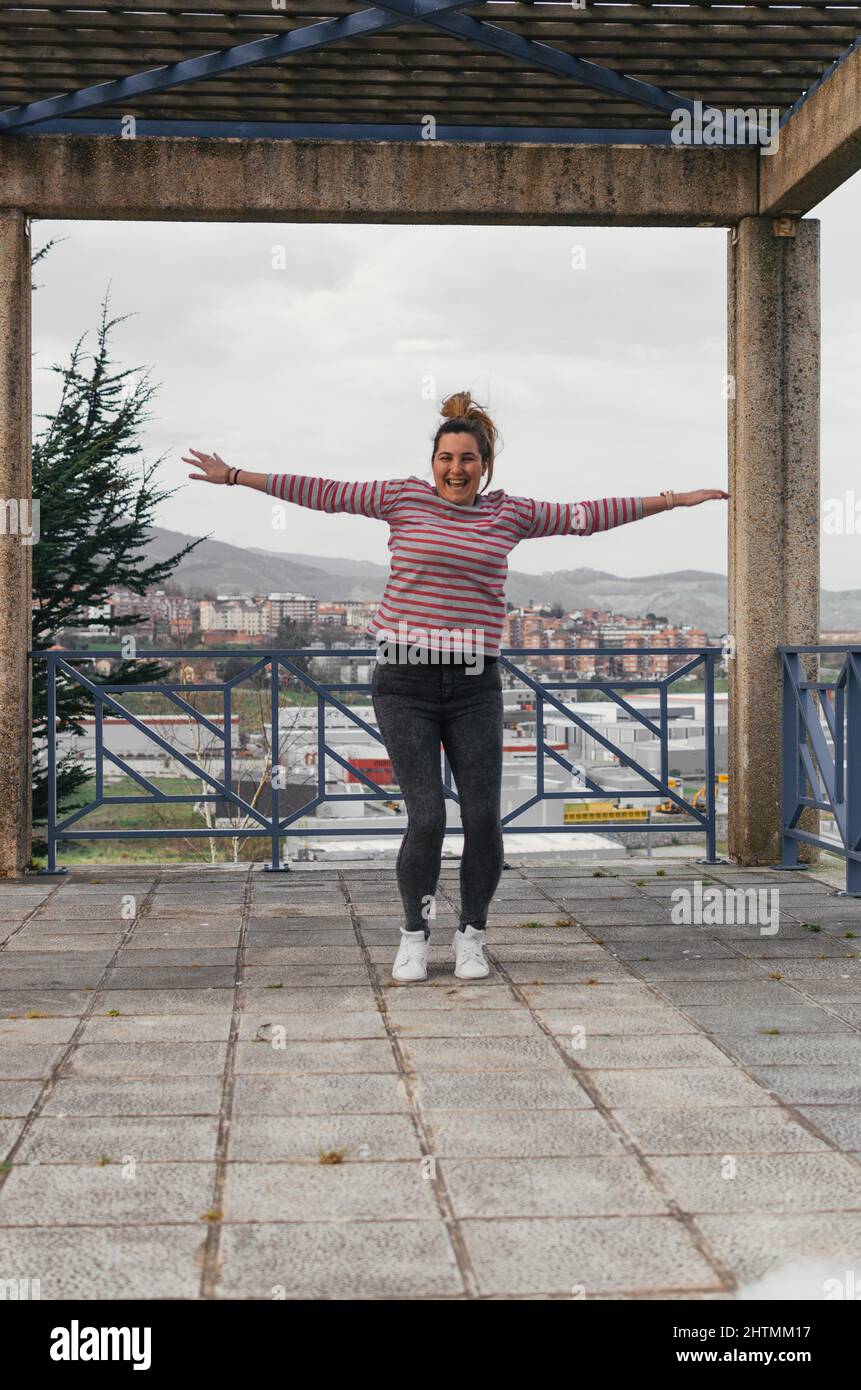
x: 462, y: 415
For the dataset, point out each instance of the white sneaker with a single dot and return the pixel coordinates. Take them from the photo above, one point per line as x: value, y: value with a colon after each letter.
x: 411, y: 962
x: 470, y: 963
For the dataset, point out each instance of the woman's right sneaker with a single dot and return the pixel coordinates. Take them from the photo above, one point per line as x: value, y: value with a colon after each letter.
x: 411, y: 962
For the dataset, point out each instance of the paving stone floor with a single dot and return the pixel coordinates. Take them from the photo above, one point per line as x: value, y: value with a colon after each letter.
x: 210, y: 1087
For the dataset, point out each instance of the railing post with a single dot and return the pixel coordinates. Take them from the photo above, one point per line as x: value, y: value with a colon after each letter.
x: 711, y: 805
x: 791, y: 732
x: 275, y: 802
x: 51, y: 684
x: 853, y: 770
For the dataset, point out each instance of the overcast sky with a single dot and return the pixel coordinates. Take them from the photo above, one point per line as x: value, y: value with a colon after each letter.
x: 604, y: 378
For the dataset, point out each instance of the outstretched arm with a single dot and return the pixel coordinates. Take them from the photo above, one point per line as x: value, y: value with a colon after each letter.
x: 371, y: 498
x: 585, y: 518
x: 651, y: 505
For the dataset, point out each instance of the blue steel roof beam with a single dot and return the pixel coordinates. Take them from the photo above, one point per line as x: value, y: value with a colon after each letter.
x: 305, y: 40
x: 362, y: 130
x: 539, y: 55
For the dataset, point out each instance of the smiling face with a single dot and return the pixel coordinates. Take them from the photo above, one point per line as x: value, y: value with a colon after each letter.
x: 457, y: 468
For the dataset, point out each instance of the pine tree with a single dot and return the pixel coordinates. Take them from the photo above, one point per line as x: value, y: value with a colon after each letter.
x: 97, y: 498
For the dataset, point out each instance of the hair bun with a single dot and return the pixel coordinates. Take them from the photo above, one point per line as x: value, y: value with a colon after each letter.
x: 458, y: 406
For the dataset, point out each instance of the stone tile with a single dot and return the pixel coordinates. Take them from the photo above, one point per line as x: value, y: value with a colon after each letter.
x: 174, y: 957
x: 324, y: 1057
x: 71, y: 1194
x: 830, y: 992
x: 381, y: 1093
x: 454, y: 994
x: 482, y: 1054
x: 328, y: 1192
x: 832, y: 970
x: 840, y: 1123
x: 769, y: 1183
x: 302, y: 955
x: 135, y: 1262
x: 101, y: 909
x: 520, y: 1133
x: 727, y: 1020
x: 623, y: 994
x: 720, y: 1129
x: 648, y: 1019
x: 298, y: 934
x: 334, y: 999
x: 595, y: 914
x: 87, y: 932
x: 299, y: 976
x: 496, y: 1090
x: 638, y: 1052
x: 682, y: 949
x: 30, y: 957
x: 360, y: 1138
x: 146, y: 1059
x: 802, y: 1049
x: 812, y: 1084
x: 9, y: 1132
x: 365, y: 1260
x: 169, y: 977
x: 786, y: 1247
x: 158, y: 1028
x: 192, y: 1095
x: 555, y: 1257
x: 557, y: 954
x: 166, y: 1003
x: 787, y: 946
x: 464, y: 1023
x: 331, y: 1025
x: 745, y: 971
x: 165, y: 940
x: 762, y: 994
x: 31, y: 979
x: 562, y: 967
x: 530, y: 937
x: 18, y: 1097
x: 23, y: 1061
x: 100, y: 943
x: 610, y: 1185
x: 84, y: 1139
x: 676, y: 1086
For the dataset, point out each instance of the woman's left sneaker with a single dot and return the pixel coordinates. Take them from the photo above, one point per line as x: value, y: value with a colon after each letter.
x: 469, y: 961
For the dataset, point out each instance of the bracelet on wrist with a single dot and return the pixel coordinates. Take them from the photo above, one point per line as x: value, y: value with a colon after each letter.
x: 668, y: 498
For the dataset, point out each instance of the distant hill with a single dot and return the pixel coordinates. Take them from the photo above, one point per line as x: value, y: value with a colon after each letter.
x: 698, y: 597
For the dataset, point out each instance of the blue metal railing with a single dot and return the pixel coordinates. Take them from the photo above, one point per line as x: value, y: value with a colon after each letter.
x: 276, y: 662
x: 814, y: 774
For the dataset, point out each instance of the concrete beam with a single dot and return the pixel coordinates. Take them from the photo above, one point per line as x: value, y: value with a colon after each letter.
x: 200, y: 179
x: 819, y: 147
x: 15, y: 553
x: 774, y: 358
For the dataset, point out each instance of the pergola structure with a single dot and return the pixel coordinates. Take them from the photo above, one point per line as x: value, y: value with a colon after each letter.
x: 617, y: 114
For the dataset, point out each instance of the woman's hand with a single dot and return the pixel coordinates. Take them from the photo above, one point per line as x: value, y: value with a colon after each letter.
x: 704, y: 494
x: 212, y: 468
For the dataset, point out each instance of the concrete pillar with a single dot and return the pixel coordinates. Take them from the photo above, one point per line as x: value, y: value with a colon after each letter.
x: 773, y: 325
x: 15, y: 554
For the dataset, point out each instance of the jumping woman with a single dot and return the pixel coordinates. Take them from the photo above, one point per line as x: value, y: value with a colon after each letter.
x: 442, y: 616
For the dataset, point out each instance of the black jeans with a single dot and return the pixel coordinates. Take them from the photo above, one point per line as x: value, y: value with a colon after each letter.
x: 417, y: 708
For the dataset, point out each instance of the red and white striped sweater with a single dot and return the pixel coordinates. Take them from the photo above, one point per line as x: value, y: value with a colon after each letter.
x: 449, y: 562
